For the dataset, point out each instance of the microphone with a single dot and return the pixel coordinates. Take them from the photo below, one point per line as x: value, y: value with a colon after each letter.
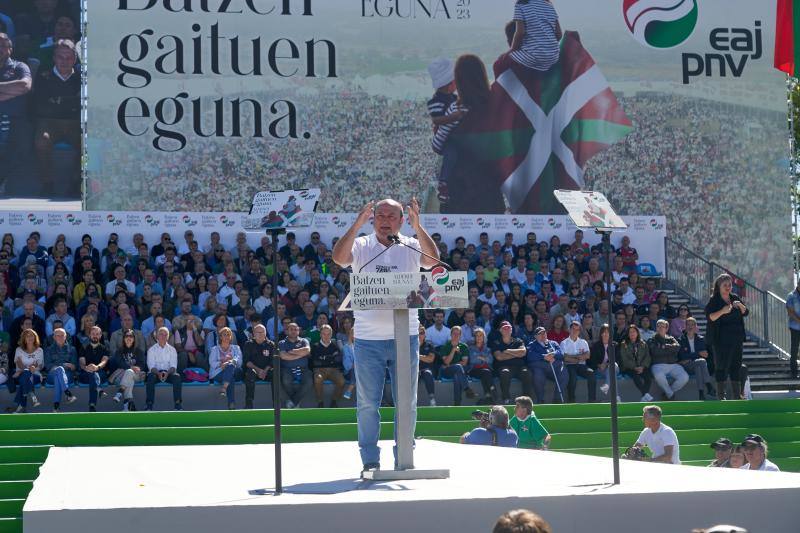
x: 391, y: 243
x: 396, y: 240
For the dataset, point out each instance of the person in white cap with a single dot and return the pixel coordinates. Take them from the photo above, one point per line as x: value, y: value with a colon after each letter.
x: 441, y: 72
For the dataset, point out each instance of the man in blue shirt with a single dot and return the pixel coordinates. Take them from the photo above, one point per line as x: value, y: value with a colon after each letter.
x: 497, y: 433
x: 546, y: 361
x: 15, y: 83
x: 793, y: 310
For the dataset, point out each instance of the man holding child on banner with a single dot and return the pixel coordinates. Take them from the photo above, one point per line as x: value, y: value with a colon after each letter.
x: 375, y: 348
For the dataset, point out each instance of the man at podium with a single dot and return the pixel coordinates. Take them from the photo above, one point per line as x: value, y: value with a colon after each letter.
x: 374, y: 330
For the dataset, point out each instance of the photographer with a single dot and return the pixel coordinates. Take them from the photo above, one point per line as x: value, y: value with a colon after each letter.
x: 494, y: 430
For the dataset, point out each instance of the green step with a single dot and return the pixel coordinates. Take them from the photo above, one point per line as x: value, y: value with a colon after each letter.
x: 15, y: 489
x: 24, y: 454
x: 19, y: 471
x: 11, y: 507
x: 11, y: 525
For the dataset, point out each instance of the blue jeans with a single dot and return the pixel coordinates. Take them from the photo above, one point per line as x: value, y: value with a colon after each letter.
x: 449, y: 160
x: 543, y: 371
x: 26, y: 381
x: 228, y: 375
x: 94, y: 379
x: 372, y: 359
x: 59, y: 378
x: 459, y: 376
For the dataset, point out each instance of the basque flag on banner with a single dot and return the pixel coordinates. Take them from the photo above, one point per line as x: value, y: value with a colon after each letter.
x: 786, y: 38
x: 542, y: 128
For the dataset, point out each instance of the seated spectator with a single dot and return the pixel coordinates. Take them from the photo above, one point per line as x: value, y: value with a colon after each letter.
x: 225, y: 365
x: 546, y: 362
x: 678, y: 324
x: 755, y: 451
x: 428, y: 365
x: 295, y: 374
x: 576, y: 355
x: 438, y: 334
x: 599, y: 356
x: 258, y: 354
x: 60, y: 313
x: 510, y: 362
x: 737, y: 458
x: 722, y: 453
x: 659, y: 437
x: 635, y: 361
x: 28, y: 361
x: 558, y: 330
x: 664, y: 351
x: 348, y: 362
x: 60, y: 363
x: 496, y: 433
x: 162, y: 362
x: 129, y: 368
x: 480, y: 366
x: 126, y: 323
x: 646, y: 329
x: 17, y: 82
x: 521, y: 521
x: 189, y: 343
x: 693, y: 357
x: 454, y: 358
x: 326, y: 362
x: 93, y: 361
x: 532, y: 434
x: 149, y: 325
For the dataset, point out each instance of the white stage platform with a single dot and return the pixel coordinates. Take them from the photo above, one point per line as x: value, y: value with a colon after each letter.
x: 215, y: 488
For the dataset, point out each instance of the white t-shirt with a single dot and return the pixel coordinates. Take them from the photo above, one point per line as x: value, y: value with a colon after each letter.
x: 665, y: 436
x: 437, y: 337
x: 379, y: 325
x: 574, y: 347
x: 767, y: 466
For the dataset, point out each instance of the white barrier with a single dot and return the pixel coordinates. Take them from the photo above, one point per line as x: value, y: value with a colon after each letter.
x: 647, y: 233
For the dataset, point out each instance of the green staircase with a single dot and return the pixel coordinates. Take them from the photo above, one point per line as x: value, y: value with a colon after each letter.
x: 577, y: 428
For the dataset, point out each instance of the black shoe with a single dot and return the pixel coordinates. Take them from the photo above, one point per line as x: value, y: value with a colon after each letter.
x: 178, y: 406
x: 702, y: 395
x: 131, y: 406
x: 92, y: 408
x: 320, y: 405
x: 470, y: 393
x: 148, y: 407
x: 334, y: 405
x: 248, y: 405
x: 710, y: 390
x: 370, y: 467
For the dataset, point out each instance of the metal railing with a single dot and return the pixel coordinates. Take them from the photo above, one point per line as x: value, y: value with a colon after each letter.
x: 694, y: 275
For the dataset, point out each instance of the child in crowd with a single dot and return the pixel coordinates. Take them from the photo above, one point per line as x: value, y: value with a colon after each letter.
x: 531, y: 432
x: 441, y: 72
x: 536, y: 34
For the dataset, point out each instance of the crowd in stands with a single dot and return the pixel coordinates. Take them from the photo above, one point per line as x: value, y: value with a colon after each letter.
x: 40, y: 97
x: 175, y: 311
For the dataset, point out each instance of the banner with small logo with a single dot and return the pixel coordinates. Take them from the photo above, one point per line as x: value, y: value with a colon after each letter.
x: 437, y: 289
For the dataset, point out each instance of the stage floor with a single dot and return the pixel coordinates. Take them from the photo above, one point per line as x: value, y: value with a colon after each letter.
x: 216, y: 488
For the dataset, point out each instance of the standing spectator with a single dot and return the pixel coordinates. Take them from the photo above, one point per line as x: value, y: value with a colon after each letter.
x: 480, y: 366
x: 60, y: 363
x: 793, y: 310
x: 693, y: 357
x: 29, y: 360
x: 599, y: 357
x: 509, y: 362
x: 532, y: 434
x: 258, y: 355
x: 546, y: 362
x: 93, y: 361
x: 659, y: 437
x: 326, y: 360
x: 162, y: 362
x: 295, y: 375
x: 225, y: 362
x: 576, y: 354
x: 454, y: 356
x: 15, y: 83
x: 726, y: 333
x: 664, y: 351
x: 57, y: 108
x: 129, y: 364
x: 427, y: 365
x: 635, y: 361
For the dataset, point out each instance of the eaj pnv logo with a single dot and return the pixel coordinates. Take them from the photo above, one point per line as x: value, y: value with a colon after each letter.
x: 660, y: 23
x: 440, y: 275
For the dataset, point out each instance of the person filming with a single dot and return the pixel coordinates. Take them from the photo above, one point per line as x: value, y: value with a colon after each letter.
x: 496, y: 433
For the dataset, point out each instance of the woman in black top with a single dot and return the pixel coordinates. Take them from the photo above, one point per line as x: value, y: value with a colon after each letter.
x: 726, y: 334
x: 600, y: 356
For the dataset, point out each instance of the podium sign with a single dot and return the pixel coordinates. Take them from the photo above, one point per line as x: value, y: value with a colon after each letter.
x: 272, y: 210
x: 436, y: 289
x: 590, y: 210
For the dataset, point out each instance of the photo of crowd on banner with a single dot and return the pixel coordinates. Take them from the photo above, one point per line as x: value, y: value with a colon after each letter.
x: 40, y: 99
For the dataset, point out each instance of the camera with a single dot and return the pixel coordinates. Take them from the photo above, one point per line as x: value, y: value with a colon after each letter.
x: 482, y: 417
x: 634, y: 453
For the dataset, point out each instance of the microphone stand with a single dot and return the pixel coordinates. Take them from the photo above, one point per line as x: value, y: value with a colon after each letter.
x: 396, y: 240
x: 392, y: 242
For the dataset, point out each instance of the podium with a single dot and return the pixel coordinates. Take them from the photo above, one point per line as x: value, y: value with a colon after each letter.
x: 403, y: 293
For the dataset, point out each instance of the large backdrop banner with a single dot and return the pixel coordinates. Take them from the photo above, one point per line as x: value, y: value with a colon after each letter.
x: 647, y: 233
x: 666, y: 106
